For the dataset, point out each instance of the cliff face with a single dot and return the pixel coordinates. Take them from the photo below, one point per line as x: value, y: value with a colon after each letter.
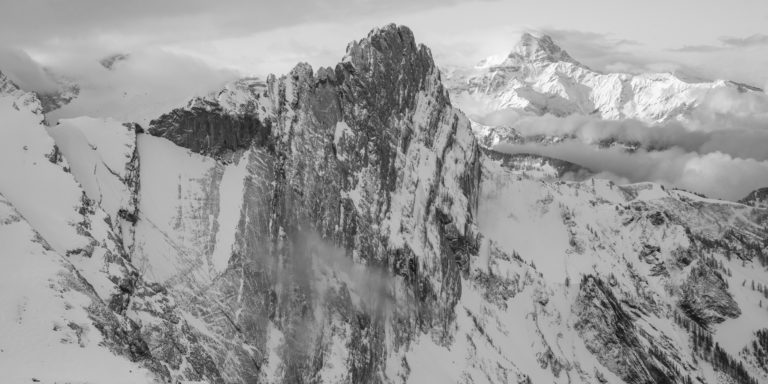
x: 367, y: 160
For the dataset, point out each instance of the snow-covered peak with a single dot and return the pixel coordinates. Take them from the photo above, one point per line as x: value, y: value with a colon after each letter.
x: 529, y: 50
x: 541, y: 48
x: 540, y: 77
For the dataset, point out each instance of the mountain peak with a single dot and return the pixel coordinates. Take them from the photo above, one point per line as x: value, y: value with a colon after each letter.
x: 539, y: 49
x: 530, y: 49
x: 6, y: 84
x: 390, y: 40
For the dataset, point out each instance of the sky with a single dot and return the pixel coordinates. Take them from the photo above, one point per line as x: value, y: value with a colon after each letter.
x: 705, y: 37
x: 175, y: 49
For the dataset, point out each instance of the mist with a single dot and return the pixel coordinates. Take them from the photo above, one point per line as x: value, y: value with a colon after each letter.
x: 714, y: 174
x: 720, y: 148
x: 25, y: 72
x: 140, y: 87
x: 372, y: 288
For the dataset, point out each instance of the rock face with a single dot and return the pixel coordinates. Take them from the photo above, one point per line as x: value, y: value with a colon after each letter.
x: 369, y: 158
x: 609, y: 332
x: 210, y: 131
x: 757, y: 198
x: 343, y: 226
x: 705, y: 297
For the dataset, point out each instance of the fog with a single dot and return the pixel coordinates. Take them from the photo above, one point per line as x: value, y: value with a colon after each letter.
x: 373, y: 288
x: 140, y: 87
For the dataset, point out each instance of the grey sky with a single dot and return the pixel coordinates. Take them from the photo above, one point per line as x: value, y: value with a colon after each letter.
x: 270, y: 36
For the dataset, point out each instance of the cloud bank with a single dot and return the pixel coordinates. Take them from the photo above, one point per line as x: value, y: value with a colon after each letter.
x: 714, y: 174
x: 720, y: 149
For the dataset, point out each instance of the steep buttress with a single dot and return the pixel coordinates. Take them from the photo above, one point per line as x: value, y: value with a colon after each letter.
x: 369, y: 158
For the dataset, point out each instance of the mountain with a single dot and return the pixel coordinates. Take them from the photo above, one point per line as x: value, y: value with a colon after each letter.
x: 757, y: 198
x: 539, y: 77
x: 345, y: 225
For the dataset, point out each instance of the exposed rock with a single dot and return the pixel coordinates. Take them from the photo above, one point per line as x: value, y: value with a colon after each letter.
x: 371, y: 157
x: 609, y: 333
x: 757, y: 198
x: 210, y: 132
x: 705, y: 297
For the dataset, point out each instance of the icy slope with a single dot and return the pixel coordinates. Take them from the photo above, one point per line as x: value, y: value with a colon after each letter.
x: 48, y: 334
x: 82, y: 312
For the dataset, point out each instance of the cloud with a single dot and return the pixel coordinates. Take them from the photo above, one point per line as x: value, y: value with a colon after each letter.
x: 371, y: 286
x: 714, y: 174
x: 698, y: 48
x: 607, y: 53
x: 734, y: 58
x: 140, y: 88
x: 595, y: 49
x: 727, y: 43
x: 720, y: 148
x: 148, y: 21
x: 749, y: 41
x: 25, y: 72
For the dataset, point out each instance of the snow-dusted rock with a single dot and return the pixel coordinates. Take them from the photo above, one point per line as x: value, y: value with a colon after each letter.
x: 83, y: 313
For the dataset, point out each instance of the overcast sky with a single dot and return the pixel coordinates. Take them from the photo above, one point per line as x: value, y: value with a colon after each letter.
x: 708, y: 38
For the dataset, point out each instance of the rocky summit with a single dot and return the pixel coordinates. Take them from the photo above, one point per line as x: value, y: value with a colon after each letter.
x: 344, y: 225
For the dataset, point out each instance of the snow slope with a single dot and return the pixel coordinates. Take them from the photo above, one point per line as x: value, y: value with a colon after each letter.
x: 46, y: 334
x: 74, y: 307
x: 98, y: 152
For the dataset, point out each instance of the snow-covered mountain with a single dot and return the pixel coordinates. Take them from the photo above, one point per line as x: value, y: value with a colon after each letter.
x: 344, y: 226
x: 538, y: 76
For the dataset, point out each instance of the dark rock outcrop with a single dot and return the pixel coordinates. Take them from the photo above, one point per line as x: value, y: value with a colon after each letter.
x: 757, y: 198
x: 210, y: 131
x: 705, y: 297
x: 609, y: 333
